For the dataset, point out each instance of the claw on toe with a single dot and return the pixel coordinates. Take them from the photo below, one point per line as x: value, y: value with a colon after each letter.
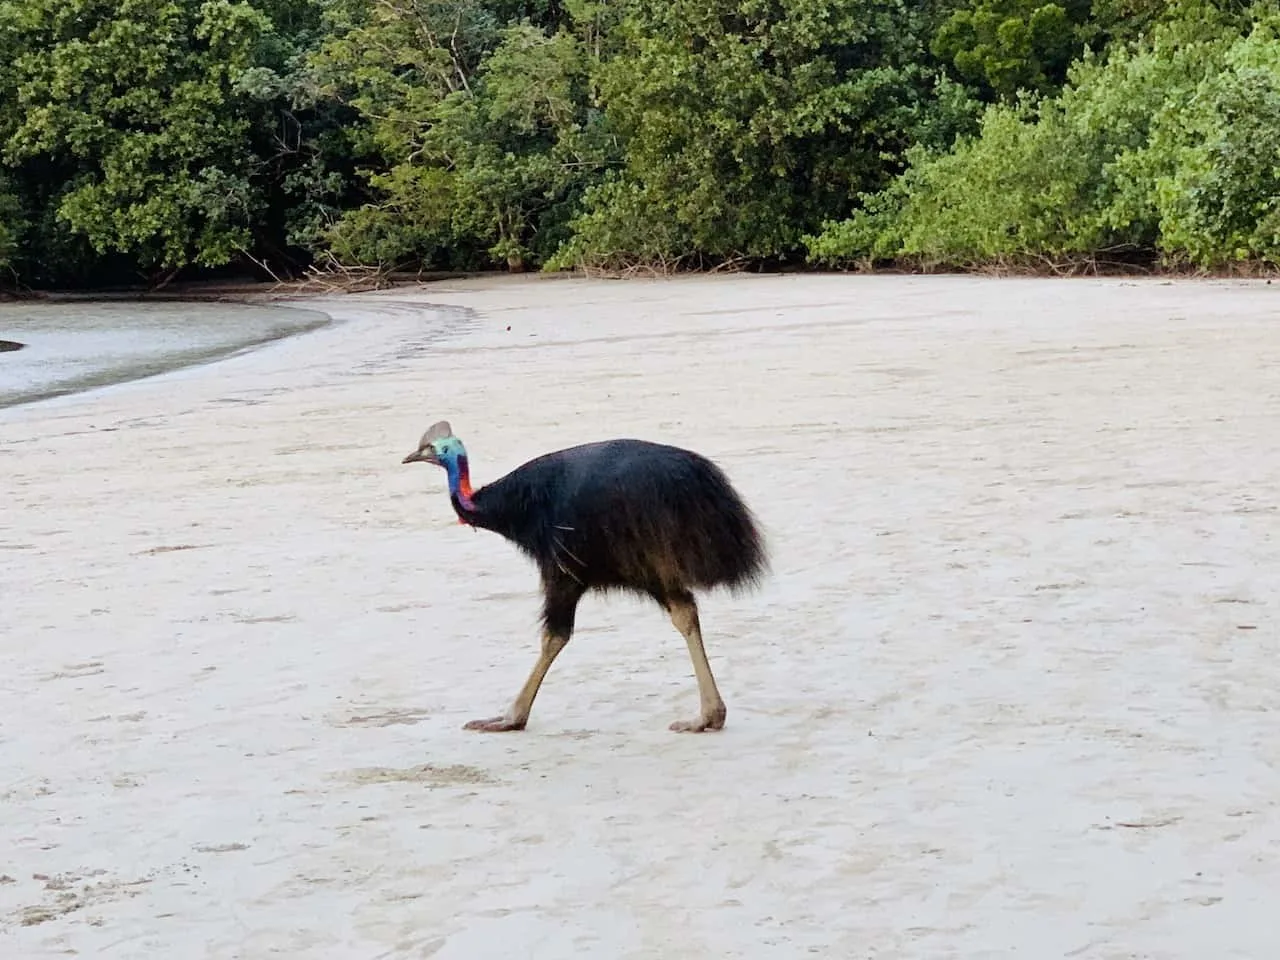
x: 495, y: 725
x: 701, y: 725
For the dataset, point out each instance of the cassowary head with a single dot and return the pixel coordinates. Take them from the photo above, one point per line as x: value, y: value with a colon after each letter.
x: 438, y: 446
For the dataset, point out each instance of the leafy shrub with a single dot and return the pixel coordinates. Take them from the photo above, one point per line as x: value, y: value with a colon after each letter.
x: 135, y: 107
x: 1165, y: 149
x: 12, y: 225
x: 744, y: 122
x: 481, y: 136
x: 1220, y: 201
x: 1006, y: 46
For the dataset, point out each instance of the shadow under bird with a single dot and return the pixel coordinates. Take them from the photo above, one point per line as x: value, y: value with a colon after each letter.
x: 628, y: 515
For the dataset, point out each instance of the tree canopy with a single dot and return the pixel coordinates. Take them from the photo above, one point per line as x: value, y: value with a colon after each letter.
x: 142, y: 138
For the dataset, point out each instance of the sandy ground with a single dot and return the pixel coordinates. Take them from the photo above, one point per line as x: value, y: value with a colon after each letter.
x: 1011, y: 690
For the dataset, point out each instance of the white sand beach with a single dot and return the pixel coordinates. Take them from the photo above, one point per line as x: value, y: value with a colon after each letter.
x: 1011, y: 690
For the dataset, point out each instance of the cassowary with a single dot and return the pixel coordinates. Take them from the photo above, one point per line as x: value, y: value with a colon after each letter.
x: 614, y: 515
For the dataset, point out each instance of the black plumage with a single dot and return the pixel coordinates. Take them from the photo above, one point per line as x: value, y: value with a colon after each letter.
x: 628, y: 515
x: 625, y: 514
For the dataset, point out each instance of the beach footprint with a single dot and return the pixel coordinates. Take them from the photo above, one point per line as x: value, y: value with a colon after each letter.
x: 74, y: 671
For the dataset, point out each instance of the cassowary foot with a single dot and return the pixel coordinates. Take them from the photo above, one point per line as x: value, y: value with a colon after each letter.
x: 501, y: 724
x: 712, y: 720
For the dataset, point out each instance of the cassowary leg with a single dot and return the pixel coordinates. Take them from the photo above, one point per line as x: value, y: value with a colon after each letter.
x: 561, y: 605
x: 517, y: 714
x: 684, y: 614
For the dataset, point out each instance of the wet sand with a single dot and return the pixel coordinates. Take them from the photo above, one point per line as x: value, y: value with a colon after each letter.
x: 1011, y: 689
x: 75, y: 344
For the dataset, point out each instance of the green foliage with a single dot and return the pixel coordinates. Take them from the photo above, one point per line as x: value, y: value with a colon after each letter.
x: 484, y: 133
x: 1126, y: 21
x: 136, y: 103
x: 299, y: 139
x: 1168, y: 149
x: 1219, y: 200
x: 1011, y: 48
x: 744, y: 121
x: 13, y: 224
x: 141, y: 137
x: 1007, y: 46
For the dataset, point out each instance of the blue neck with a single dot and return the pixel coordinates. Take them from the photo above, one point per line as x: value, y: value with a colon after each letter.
x: 459, y: 480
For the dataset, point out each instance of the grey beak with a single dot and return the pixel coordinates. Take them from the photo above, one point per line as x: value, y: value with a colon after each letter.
x: 422, y: 455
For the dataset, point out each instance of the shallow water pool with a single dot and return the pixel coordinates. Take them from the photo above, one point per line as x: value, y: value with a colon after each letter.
x: 72, y: 346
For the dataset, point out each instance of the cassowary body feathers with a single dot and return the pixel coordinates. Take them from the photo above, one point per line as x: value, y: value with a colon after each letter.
x: 625, y: 514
